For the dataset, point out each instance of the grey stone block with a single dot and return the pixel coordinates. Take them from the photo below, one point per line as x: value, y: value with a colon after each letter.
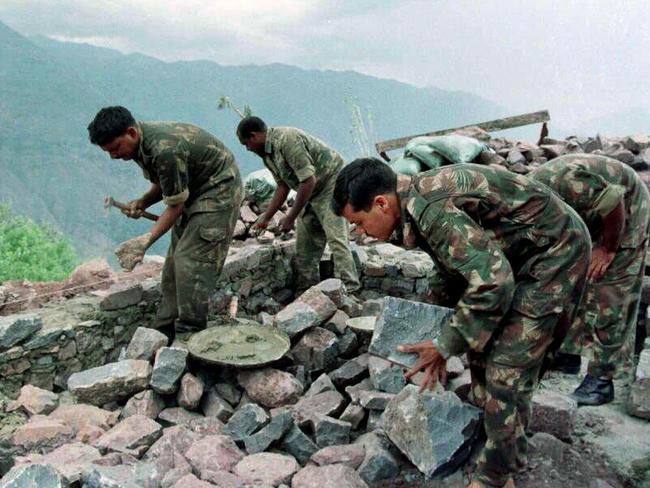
x: 245, y: 421
x: 331, y: 432
x: 16, y: 328
x: 168, y: 368
x: 111, y: 382
x: 298, y: 444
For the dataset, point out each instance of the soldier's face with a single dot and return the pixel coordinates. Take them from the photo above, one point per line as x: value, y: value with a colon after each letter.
x: 378, y: 222
x: 254, y: 143
x: 123, y: 147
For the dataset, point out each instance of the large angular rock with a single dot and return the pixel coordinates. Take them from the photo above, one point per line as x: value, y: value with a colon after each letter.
x: 309, y: 409
x: 333, y: 288
x: 168, y: 368
x: 121, y: 295
x: 245, y: 421
x: 281, y: 422
x: 316, y: 350
x: 69, y: 460
x: 174, y: 440
x: 305, y: 313
x: 321, y: 384
x: 190, y: 392
x: 374, y: 400
x: 385, y: 376
x: 33, y: 476
x: 145, y: 343
x: 331, y: 432
x: 37, y: 401
x: 298, y: 444
x: 270, y: 387
x: 354, y: 414
x: 42, y: 434
x: 16, y: 328
x: 639, y: 400
x: 79, y: 416
x: 131, y: 436
x: 111, y: 382
x: 331, y: 476
x: 350, y: 372
x: 553, y: 413
x: 349, y: 454
x: 379, y: 462
x: 147, y: 403
x: 213, y: 452
x: 266, y: 467
x: 435, y: 432
x: 405, y: 321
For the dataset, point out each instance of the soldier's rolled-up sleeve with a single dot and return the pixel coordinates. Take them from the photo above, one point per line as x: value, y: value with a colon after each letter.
x: 463, y: 247
x: 298, y: 158
x: 590, y: 194
x: 172, y: 172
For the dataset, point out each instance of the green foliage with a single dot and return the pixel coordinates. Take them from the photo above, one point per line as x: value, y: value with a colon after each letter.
x: 226, y: 102
x: 29, y: 251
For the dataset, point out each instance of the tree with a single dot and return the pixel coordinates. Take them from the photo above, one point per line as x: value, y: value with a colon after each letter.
x: 31, y: 251
x: 362, y: 130
x: 226, y: 102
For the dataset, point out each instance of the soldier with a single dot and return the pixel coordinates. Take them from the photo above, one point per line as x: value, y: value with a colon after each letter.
x: 196, y: 177
x: 614, y: 203
x: 521, y: 255
x: 300, y: 162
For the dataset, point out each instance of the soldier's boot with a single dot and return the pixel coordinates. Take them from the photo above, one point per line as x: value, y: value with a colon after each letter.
x: 566, y: 363
x: 477, y: 484
x: 594, y: 391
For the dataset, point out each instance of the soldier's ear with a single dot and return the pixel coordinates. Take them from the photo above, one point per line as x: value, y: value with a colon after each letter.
x: 381, y: 201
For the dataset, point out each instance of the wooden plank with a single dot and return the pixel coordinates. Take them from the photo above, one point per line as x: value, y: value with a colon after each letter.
x: 490, y: 126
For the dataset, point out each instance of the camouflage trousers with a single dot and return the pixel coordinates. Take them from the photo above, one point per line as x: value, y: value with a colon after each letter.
x: 199, y: 246
x: 605, y: 328
x: 316, y: 227
x: 548, y: 291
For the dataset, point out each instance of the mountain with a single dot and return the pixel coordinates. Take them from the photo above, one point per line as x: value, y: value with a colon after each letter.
x: 633, y: 120
x: 50, y: 90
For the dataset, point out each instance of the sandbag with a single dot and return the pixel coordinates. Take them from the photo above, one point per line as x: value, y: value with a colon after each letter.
x: 454, y: 149
x: 406, y: 165
x: 259, y: 186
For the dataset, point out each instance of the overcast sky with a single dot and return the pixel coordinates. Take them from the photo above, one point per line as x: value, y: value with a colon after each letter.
x: 578, y: 58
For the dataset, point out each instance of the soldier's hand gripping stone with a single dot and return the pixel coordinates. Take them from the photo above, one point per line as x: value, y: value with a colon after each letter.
x: 430, y: 361
x: 131, y: 252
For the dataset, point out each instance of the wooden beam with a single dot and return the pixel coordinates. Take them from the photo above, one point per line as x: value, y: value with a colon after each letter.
x: 490, y: 126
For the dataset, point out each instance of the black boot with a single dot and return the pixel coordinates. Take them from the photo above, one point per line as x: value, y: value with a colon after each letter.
x: 594, y: 391
x: 566, y: 363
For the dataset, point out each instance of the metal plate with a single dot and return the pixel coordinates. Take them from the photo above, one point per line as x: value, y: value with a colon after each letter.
x: 244, y: 345
x: 362, y: 324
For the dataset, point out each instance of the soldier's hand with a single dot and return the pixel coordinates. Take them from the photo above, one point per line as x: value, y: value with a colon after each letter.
x: 287, y: 223
x: 131, y: 252
x: 260, y: 224
x: 601, y: 258
x: 134, y: 209
x: 429, y: 360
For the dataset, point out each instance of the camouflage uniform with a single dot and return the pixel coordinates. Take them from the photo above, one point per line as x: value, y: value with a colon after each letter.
x: 196, y: 169
x: 594, y: 186
x: 520, y: 257
x: 292, y: 156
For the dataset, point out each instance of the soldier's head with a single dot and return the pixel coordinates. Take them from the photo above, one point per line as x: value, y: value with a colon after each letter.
x: 251, y: 132
x: 114, y: 130
x: 365, y: 195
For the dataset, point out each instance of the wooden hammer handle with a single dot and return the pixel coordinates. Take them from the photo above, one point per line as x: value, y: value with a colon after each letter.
x: 145, y: 214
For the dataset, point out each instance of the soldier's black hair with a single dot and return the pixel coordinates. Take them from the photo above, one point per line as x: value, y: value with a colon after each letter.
x: 109, y: 123
x: 248, y: 125
x: 360, y: 182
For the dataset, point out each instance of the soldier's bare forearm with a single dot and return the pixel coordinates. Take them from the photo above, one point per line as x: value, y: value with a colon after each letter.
x: 303, y: 195
x: 153, y: 195
x: 279, y: 197
x: 165, y: 222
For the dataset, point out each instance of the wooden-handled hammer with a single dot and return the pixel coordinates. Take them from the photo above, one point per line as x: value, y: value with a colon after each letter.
x: 110, y: 202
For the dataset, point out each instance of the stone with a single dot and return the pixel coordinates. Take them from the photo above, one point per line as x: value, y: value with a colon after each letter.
x: 321, y: 384
x: 375, y: 420
x: 37, y: 401
x: 240, y: 229
x: 213, y: 452
x: 111, y: 382
x: 348, y: 454
x: 332, y: 288
x: 454, y: 367
x: 17, y: 328
x: 174, y: 440
x: 354, y: 390
x: 145, y: 343
x: 147, y: 403
x: 435, y: 432
x: 330, y: 432
x: 405, y: 321
x: 348, y: 344
x: 133, y: 436
x: 270, y: 387
x: 247, y: 215
x: 308, y: 409
x: 245, y: 421
x: 350, y: 372
x: 178, y: 416
x: 372, y: 307
x: 351, y: 307
x: 70, y: 459
x: 514, y: 157
x: 636, y: 142
x: 330, y: 476
x: 304, y: 314
x: 337, y: 322
x: 461, y: 385
x: 280, y: 423
x: 223, y: 479
x: 385, y: 376
x: 79, y: 416
x: 268, y: 468
x: 167, y: 370
x: 316, y: 350
x: 552, y: 151
x: 138, y: 475
x: 213, y: 405
x: 89, y: 434
x: 553, y: 413
x: 33, y: 476
x: 415, y: 264
x: 191, y: 481
x: 354, y: 414
x: 374, y: 400
x: 228, y: 392
x: 42, y: 434
x: 623, y: 155
x: 379, y: 462
x: 119, y: 296
x: 298, y: 444
x: 190, y: 392
x: 638, y: 403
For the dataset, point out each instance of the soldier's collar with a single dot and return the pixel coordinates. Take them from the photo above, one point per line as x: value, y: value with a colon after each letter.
x: 268, y: 143
x: 140, y: 156
x: 405, y: 232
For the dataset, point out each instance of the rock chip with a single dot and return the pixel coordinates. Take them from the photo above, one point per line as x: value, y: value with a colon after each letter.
x: 133, y: 436
x: 190, y: 392
x: 145, y: 343
x: 111, y: 382
x: 266, y: 467
x: 270, y: 387
x: 168, y: 368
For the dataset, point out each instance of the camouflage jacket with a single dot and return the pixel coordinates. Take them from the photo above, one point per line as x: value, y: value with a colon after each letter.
x: 594, y: 185
x: 482, y: 226
x: 189, y: 163
x: 292, y: 156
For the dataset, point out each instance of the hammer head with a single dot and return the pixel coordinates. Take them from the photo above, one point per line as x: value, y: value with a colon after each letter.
x: 108, y: 202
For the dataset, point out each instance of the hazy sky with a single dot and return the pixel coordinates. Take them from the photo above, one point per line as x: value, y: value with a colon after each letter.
x: 578, y: 58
